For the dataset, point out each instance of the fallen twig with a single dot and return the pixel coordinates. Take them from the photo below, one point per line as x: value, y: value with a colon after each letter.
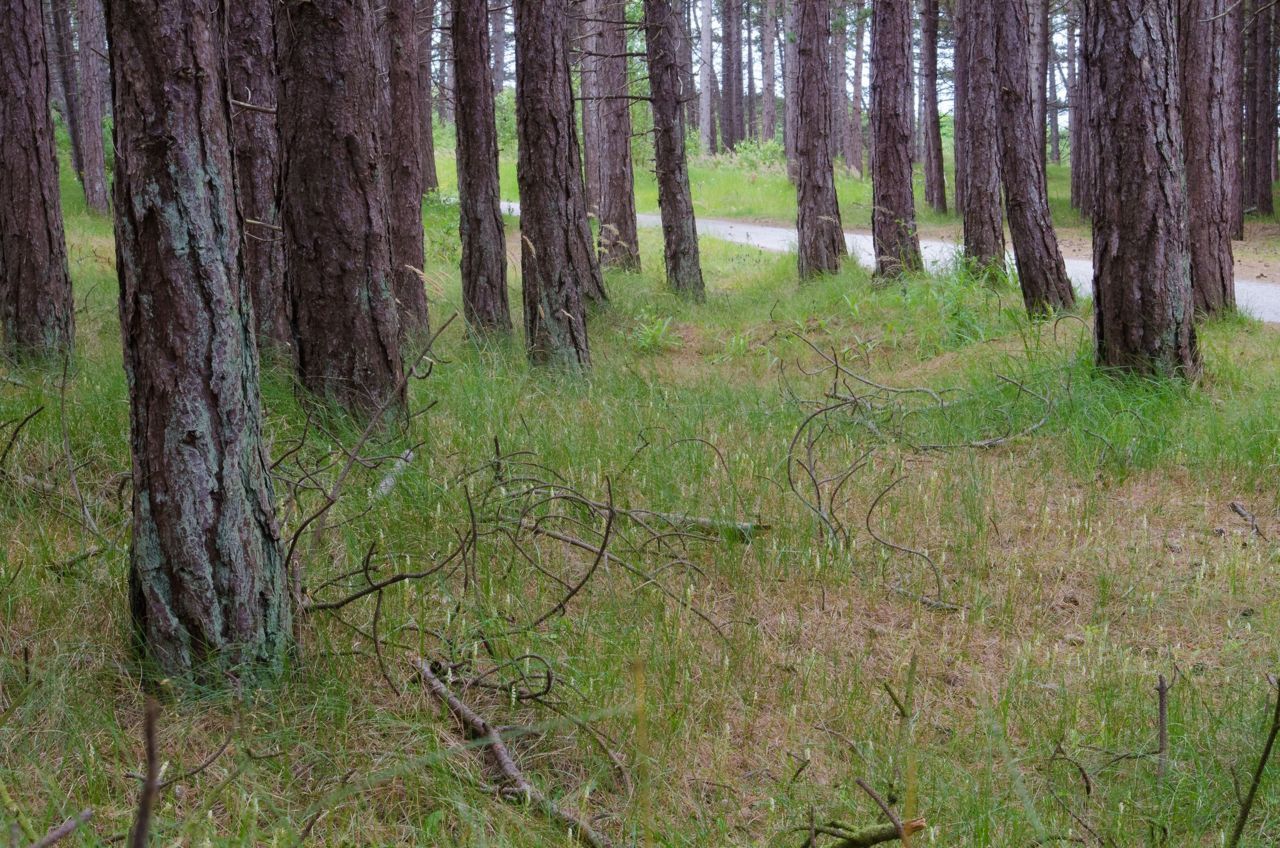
x: 1246, y: 806
x: 63, y: 830
x: 138, y: 837
x: 1240, y: 510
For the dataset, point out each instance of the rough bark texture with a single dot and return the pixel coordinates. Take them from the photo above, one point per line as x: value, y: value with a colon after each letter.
x: 1042, y: 274
x: 839, y: 78
x: 706, y: 82
x: 36, y: 306
x: 679, y: 227
x: 558, y: 265
x: 251, y: 79
x: 497, y: 44
x: 732, y: 114
x: 333, y: 209
x: 983, y: 222
x: 960, y: 111
x: 445, y: 78
x: 819, y: 232
x: 619, y: 243
x: 484, y: 246
x: 94, y: 91
x: 1082, y: 168
x: 1142, y: 263
x: 790, y: 103
x: 1211, y: 109
x: 1037, y: 35
x: 1260, y: 132
x: 426, y: 29
x: 768, y: 72
x: 935, y: 180
x: 403, y: 173
x: 63, y: 44
x: 207, y: 582
x: 855, y: 153
x: 893, y: 219
x: 584, y: 30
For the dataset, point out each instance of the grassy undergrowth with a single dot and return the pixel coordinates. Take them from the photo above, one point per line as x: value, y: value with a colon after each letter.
x: 1092, y: 551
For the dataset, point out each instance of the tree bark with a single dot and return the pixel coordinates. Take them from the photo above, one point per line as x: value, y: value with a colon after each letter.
x: 484, y: 247
x: 790, y: 102
x: 819, y: 231
x: 37, y: 311
x: 893, y: 219
x: 426, y: 30
x: 960, y: 109
x: 207, y: 583
x: 1081, y: 139
x: 753, y: 129
x: 1038, y: 37
x: 983, y: 221
x: 558, y: 265
x: 706, y: 83
x: 1042, y: 274
x: 768, y: 74
x: 619, y: 242
x: 855, y: 145
x: 497, y: 43
x: 584, y: 31
x: 337, y: 242
x: 935, y: 180
x: 1142, y: 263
x: 731, y: 118
x: 445, y: 79
x: 1211, y: 109
x: 1261, y: 141
x: 63, y: 43
x: 94, y: 91
x: 679, y: 227
x: 403, y: 155
x: 252, y: 80
x: 839, y: 78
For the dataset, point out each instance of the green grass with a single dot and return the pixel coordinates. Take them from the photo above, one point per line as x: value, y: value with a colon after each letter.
x: 1090, y: 555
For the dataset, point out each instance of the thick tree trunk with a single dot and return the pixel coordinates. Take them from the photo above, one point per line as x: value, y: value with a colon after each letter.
x: 619, y: 242
x: 207, y: 583
x: 584, y: 30
x: 1260, y: 144
x: 94, y: 91
x: 935, y: 180
x: 893, y: 219
x: 960, y: 109
x: 426, y: 30
x: 768, y: 73
x: 251, y: 79
x: 333, y: 207
x: 403, y: 176
x: 679, y: 228
x: 497, y: 44
x: 1211, y: 107
x: 731, y: 118
x: 819, y: 231
x: 706, y: 83
x: 558, y: 265
x: 484, y: 247
x: 63, y: 43
x: 790, y: 84
x: 983, y: 222
x: 1042, y: 274
x: 855, y: 120
x: 57, y: 97
x: 1142, y: 261
x: 37, y: 311
x: 1038, y: 36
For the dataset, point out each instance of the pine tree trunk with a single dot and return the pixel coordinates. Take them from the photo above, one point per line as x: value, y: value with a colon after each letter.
x: 983, y: 221
x: 731, y: 128
x: 94, y: 91
x: 37, y: 311
x: 251, y: 79
x: 444, y: 78
x: 839, y: 106
x: 207, y: 583
x: 769, y: 80
x: 1042, y: 274
x: 679, y: 228
x: 558, y: 265
x: 498, y: 44
x: 688, y: 80
x: 426, y: 30
x: 1038, y: 36
x: 1142, y: 261
x: 960, y: 111
x: 1211, y: 109
x: 819, y: 231
x: 1261, y: 142
x: 753, y: 129
x: 337, y: 243
x: 1082, y: 168
x: 63, y: 43
x: 790, y: 102
x: 935, y: 180
x: 584, y: 30
x: 403, y: 176
x: 484, y: 247
x: 619, y: 242
x: 855, y: 120
x: 893, y: 219
x: 706, y: 83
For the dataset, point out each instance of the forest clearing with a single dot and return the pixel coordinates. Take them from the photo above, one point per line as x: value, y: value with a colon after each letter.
x: 517, y: 429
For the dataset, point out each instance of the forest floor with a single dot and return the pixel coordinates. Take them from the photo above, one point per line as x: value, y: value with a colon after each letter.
x: 965, y: 596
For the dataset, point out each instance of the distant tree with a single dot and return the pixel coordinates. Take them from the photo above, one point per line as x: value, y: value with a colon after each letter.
x: 93, y: 72
x: 426, y: 30
x: 584, y: 35
x: 252, y: 81
x: 839, y: 80
x: 337, y: 241
x: 498, y: 44
x: 402, y: 152
x: 61, y: 41
x: 663, y: 33
x: 983, y: 221
x: 558, y: 264
x: 790, y: 83
x: 706, y: 82
x: 768, y: 70
x: 819, y: 231
x: 1082, y: 166
x: 1260, y: 96
x: 732, y: 113
x: 37, y: 312
x: 207, y: 586
x: 484, y: 247
x: 1143, y: 313
x: 1212, y: 110
x: 893, y: 217
x: 960, y: 110
x: 619, y: 242
x: 1041, y: 272
x: 935, y: 181
x: 854, y: 145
